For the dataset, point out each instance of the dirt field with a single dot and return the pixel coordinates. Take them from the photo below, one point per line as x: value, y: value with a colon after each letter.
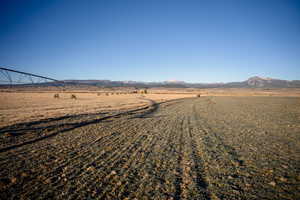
x: 194, y: 148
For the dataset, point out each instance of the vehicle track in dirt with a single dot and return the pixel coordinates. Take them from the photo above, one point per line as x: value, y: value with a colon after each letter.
x: 197, y: 148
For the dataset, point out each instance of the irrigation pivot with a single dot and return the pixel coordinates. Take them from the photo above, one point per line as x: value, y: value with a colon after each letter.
x: 14, y: 77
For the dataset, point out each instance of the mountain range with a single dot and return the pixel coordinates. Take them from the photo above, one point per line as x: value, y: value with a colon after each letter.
x: 253, y: 82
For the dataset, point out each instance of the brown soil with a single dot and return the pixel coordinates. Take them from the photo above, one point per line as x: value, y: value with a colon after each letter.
x: 195, y: 148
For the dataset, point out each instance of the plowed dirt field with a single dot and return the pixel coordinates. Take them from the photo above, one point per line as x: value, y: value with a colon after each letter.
x: 194, y: 148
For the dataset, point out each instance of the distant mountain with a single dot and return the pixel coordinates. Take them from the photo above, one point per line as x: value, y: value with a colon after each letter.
x: 252, y: 82
x: 174, y: 82
x: 261, y: 82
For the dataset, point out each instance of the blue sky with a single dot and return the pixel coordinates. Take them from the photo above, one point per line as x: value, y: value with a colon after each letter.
x: 152, y: 40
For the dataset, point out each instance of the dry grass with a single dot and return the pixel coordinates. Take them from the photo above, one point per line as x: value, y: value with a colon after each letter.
x: 19, y: 107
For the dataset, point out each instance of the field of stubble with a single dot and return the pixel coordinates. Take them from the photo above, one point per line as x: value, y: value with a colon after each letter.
x: 194, y: 148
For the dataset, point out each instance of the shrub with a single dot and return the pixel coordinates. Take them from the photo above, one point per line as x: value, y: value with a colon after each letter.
x: 56, y: 96
x: 73, y: 96
x: 198, y: 95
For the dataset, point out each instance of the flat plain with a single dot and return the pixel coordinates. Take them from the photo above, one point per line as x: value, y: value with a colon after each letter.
x: 30, y: 106
x: 163, y: 147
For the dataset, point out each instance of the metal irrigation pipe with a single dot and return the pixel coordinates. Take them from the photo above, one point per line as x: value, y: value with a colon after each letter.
x: 29, y: 74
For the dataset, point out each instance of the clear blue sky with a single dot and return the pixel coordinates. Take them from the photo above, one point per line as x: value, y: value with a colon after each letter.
x: 152, y: 40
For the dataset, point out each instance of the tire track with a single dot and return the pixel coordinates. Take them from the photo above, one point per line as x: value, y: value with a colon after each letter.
x: 223, y: 157
x: 179, y: 170
x: 165, y: 162
x: 147, y: 177
x: 201, y: 183
x: 162, y: 163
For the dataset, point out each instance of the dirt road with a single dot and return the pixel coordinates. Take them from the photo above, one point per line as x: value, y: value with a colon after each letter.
x: 197, y: 148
